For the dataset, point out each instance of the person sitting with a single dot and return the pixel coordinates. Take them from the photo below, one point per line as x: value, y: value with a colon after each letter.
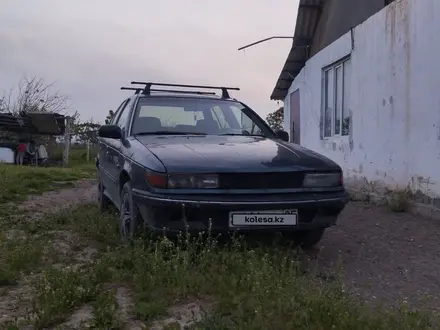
x: 42, y: 154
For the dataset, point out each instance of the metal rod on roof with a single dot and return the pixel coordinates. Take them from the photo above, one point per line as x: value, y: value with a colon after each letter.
x: 137, y: 90
x: 264, y: 40
x: 147, y: 89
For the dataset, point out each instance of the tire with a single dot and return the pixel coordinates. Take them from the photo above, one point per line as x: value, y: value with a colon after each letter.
x: 104, y: 201
x: 130, y: 222
x: 310, y: 238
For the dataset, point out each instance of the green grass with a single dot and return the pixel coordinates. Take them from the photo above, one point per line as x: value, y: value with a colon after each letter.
x: 20, y: 181
x: 77, y: 156
x: 59, y: 291
x: 246, y: 288
x: 106, y: 312
x: 19, y: 255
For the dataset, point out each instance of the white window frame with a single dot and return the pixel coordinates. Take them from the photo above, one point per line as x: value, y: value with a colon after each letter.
x: 325, y: 70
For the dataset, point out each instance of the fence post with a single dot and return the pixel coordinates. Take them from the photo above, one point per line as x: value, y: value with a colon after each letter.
x: 67, y: 137
x: 88, y: 150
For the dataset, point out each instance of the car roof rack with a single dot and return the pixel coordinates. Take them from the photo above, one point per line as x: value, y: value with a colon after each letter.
x: 147, y: 89
x: 138, y: 90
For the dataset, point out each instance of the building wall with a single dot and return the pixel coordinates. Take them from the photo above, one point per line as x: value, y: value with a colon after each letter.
x: 394, y: 101
x: 339, y: 16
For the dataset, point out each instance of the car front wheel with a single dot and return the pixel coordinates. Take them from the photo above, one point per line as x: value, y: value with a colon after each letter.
x: 129, y: 220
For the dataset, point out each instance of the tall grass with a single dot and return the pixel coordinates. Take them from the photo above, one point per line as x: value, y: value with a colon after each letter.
x: 77, y: 155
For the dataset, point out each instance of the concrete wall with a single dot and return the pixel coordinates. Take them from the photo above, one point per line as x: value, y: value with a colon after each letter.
x: 339, y: 16
x: 394, y: 101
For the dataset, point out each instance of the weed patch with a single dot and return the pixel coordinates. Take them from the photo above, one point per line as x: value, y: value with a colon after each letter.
x: 86, y: 220
x: 399, y: 200
x: 106, y: 312
x: 251, y: 289
x: 236, y: 286
x: 18, y: 255
x: 58, y: 292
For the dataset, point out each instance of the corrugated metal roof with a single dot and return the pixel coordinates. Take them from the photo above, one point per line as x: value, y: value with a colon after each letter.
x: 309, y: 12
x: 33, y: 123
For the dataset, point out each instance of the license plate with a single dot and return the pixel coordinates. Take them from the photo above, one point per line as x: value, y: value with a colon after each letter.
x: 263, y: 218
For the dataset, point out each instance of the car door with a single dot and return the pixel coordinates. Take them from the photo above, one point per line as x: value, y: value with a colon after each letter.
x: 115, y: 157
x: 105, y: 175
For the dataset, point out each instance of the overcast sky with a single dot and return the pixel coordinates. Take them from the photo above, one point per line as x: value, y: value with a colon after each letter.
x: 89, y: 48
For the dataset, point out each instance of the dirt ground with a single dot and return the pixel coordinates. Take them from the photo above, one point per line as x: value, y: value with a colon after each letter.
x: 55, y: 201
x: 385, y: 257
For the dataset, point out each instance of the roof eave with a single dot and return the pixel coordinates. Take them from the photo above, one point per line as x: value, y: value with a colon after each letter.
x: 309, y: 12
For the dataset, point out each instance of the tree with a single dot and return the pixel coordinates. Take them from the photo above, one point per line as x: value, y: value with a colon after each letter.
x: 109, y: 117
x: 85, y: 131
x: 33, y: 95
x: 276, y: 119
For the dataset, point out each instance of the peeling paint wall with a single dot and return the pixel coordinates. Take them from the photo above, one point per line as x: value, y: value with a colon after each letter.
x: 394, y: 99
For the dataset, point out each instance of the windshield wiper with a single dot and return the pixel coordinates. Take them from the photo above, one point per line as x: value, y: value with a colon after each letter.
x: 168, y: 133
x: 240, y: 134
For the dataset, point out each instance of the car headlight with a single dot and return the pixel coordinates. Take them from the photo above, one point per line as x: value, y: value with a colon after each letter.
x: 181, y: 181
x: 188, y: 181
x: 317, y: 180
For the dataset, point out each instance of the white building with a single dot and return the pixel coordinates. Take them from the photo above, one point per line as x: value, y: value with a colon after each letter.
x: 361, y: 86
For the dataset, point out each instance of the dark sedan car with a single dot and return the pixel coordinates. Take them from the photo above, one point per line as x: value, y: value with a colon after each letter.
x: 195, y: 161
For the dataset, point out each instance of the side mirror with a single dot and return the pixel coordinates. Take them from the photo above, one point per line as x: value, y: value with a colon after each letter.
x: 282, y: 135
x: 110, y: 132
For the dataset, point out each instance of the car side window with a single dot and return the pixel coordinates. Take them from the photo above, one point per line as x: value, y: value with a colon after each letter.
x: 249, y: 125
x: 246, y: 122
x: 117, y: 113
x: 124, y: 116
x: 115, y: 116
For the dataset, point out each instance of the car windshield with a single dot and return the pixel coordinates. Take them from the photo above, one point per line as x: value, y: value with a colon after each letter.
x: 185, y: 115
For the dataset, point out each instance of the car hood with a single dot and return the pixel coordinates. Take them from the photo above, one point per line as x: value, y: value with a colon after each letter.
x: 232, y: 154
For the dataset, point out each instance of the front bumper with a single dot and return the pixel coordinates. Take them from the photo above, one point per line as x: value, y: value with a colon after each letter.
x: 197, y: 213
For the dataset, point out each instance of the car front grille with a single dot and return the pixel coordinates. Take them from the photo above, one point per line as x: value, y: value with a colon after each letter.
x: 280, y: 180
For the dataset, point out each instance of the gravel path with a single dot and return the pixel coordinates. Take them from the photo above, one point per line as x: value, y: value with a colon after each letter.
x: 386, y: 256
